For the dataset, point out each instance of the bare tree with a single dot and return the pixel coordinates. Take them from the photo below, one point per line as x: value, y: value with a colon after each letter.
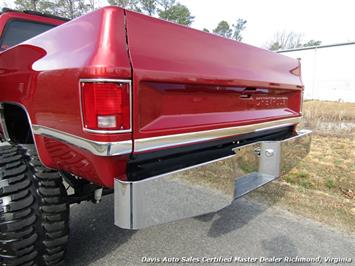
x: 285, y: 40
x: 27, y: 4
x: 65, y: 8
x: 93, y: 4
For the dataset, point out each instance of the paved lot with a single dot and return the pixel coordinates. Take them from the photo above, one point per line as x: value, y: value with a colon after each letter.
x: 245, y: 229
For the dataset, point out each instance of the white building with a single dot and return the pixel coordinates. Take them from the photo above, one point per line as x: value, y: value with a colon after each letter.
x: 328, y: 71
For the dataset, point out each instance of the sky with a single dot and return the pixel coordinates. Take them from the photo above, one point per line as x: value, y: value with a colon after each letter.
x: 330, y: 21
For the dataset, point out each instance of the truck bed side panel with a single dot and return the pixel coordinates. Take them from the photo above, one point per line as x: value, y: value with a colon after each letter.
x: 42, y: 76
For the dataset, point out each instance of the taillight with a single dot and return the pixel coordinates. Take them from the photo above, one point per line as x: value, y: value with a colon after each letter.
x: 297, y: 70
x: 106, y: 105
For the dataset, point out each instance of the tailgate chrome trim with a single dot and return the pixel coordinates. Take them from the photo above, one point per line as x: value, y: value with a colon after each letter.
x: 141, y: 145
x: 145, y: 144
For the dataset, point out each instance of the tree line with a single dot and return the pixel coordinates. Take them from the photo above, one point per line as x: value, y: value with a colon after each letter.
x: 166, y: 9
x: 289, y: 40
x: 170, y: 10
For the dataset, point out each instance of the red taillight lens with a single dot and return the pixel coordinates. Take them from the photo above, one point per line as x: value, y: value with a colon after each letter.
x: 105, y: 105
x: 297, y: 70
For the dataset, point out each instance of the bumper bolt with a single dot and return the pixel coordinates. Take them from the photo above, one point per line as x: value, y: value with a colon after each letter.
x: 269, y: 153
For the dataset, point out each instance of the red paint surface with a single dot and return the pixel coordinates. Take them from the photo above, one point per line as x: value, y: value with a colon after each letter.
x: 179, y: 108
x: 184, y: 80
x: 97, y: 169
x: 187, y: 80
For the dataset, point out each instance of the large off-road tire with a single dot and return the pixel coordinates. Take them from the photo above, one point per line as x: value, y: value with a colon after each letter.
x: 33, y: 210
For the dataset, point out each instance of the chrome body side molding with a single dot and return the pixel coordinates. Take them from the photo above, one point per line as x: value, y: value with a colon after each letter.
x: 145, y: 144
x: 95, y: 147
x: 206, y: 187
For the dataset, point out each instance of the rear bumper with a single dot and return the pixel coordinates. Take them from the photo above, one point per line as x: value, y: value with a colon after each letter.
x: 206, y: 187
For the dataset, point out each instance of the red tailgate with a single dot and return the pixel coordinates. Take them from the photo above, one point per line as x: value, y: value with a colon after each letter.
x: 190, y: 81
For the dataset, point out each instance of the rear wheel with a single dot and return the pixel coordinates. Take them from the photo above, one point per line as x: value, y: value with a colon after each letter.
x: 34, y: 212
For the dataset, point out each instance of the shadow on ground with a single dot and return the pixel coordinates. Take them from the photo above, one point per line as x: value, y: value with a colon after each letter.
x: 94, y: 236
x: 93, y: 233
x: 233, y: 217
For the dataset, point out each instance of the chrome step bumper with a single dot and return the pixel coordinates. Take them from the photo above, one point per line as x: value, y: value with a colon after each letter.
x: 206, y: 187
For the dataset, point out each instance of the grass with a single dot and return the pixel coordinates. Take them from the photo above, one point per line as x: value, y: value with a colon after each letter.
x: 329, y: 111
x: 318, y: 205
x: 330, y: 183
x: 329, y: 166
x: 329, y: 118
x: 322, y: 186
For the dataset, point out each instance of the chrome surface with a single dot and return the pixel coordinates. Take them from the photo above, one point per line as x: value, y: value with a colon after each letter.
x: 5, y: 144
x: 250, y: 182
x: 293, y: 150
x: 130, y: 105
x: 98, y: 195
x: 206, y: 187
x: 97, y: 148
x: 194, y: 137
x: 3, y: 124
x: 192, y: 191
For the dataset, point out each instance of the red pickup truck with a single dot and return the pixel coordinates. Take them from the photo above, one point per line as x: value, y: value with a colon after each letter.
x: 174, y: 121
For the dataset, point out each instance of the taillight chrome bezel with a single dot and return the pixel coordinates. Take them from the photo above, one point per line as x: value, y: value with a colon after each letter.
x: 105, y: 80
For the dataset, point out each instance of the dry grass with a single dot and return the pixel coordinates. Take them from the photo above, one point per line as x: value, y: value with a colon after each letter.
x: 323, y: 207
x: 329, y: 111
x: 329, y: 167
x: 329, y: 118
x: 322, y: 186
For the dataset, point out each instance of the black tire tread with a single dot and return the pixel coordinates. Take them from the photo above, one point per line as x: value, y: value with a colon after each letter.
x: 34, y: 212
